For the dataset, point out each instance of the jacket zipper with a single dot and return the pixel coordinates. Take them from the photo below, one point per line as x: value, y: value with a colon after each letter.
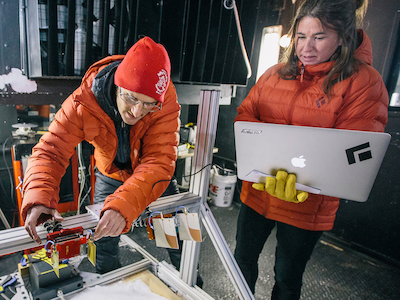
x: 123, y: 125
x: 290, y: 114
x: 121, y: 129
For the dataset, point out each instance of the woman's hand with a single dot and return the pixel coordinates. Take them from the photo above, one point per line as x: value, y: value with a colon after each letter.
x: 282, y: 187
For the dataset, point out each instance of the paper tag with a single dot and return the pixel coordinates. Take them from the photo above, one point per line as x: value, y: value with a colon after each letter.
x: 189, y: 227
x: 165, y: 233
x: 91, y: 253
x: 55, y: 262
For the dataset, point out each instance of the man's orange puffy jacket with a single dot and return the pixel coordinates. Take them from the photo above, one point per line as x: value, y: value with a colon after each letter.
x: 359, y: 103
x: 153, y: 141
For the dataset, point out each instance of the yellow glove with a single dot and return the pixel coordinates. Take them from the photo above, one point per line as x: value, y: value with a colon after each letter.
x: 282, y: 187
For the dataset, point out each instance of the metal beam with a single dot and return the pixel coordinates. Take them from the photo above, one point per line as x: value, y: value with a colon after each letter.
x: 17, y: 239
x: 205, y: 138
x: 55, y: 89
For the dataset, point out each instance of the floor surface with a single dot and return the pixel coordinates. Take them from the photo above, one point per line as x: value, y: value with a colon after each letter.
x: 333, y: 272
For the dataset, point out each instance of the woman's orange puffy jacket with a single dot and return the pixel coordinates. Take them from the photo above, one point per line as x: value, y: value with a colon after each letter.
x: 359, y: 103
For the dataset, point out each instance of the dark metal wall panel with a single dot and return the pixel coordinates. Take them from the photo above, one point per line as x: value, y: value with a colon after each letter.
x: 70, y: 39
x: 215, y: 25
x: 148, y: 14
x: 105, y: 19
x: 212, y: 52
x: 200, y: 36
x: 52, y: 39
x: 172, y: 33
x: 89, y: 57
x: 382, y: 26
x: 9, y: 58
x: 199, y: 31
x: 391, y: 66
x: 9, y: 33
x: 190, y: 39
x: 374, y: 226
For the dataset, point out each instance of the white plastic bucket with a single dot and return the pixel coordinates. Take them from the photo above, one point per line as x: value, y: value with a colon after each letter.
x: 222, y: 187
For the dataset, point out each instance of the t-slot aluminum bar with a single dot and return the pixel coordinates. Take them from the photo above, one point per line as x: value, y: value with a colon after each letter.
x: 225, y: 254
x: 94, y: 279
x: 201, y: 165
x: 205, y: 138
x: 17, y: 239
x: 170, y: 204
x: 170, y: 276
x: 167, y: 204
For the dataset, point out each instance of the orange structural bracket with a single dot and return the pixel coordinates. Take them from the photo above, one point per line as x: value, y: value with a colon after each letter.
x: 19, y: 177
x: 18, y: 181
x: 72, y: 205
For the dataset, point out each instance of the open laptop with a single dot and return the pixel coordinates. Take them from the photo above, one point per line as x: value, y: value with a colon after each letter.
x: 333, y: 162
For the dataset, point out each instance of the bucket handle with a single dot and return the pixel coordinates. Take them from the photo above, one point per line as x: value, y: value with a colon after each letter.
x: 215, y: 169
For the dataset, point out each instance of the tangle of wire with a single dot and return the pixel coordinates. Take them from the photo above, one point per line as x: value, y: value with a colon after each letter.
x: 190, y: 175
x: 82, y: 179
x: 8, y: 169
x: 11, y: 181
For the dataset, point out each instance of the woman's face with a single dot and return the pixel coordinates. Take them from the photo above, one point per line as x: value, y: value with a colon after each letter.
x: 315, y: 43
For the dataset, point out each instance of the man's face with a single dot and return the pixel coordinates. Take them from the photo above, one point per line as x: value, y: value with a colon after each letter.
x: 315, y: 43
x: 131, y: 112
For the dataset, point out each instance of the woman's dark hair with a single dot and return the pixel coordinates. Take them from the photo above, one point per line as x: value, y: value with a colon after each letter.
x: 343, y: 16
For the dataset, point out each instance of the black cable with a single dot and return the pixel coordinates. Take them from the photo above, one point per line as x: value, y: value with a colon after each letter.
x: 3, y: 188
x: 186, y: 175
x: 8, y: 169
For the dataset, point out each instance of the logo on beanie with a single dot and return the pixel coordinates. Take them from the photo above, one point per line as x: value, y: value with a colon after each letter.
x: 161, y: 85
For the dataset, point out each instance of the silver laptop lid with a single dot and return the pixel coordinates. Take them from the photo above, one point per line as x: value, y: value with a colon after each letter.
x: 333, y: 162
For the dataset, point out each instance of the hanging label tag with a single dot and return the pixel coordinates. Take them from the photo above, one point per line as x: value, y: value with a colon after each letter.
x: 91, y: 252
x: 55, y: 262
x: 165, y: 233
x: 189, y: 227
x: 150, y: 231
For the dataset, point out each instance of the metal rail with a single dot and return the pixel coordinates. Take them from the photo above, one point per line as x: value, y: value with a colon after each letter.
x: 17, y: 239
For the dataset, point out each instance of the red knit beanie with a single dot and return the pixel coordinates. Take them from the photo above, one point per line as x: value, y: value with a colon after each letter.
x: 145, y: 69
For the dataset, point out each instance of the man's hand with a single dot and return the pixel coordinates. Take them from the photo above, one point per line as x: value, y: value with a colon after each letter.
x: 112, y: 223
x: 282, y: 187
x: 32, y: 218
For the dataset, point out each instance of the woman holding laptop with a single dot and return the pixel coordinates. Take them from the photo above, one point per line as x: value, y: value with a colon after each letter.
x: 325, y: 79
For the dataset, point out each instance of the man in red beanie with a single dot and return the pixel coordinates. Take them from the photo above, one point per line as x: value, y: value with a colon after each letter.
x: 127, y: 108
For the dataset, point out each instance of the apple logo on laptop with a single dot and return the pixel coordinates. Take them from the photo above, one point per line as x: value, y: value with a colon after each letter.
x: 298, y: 162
